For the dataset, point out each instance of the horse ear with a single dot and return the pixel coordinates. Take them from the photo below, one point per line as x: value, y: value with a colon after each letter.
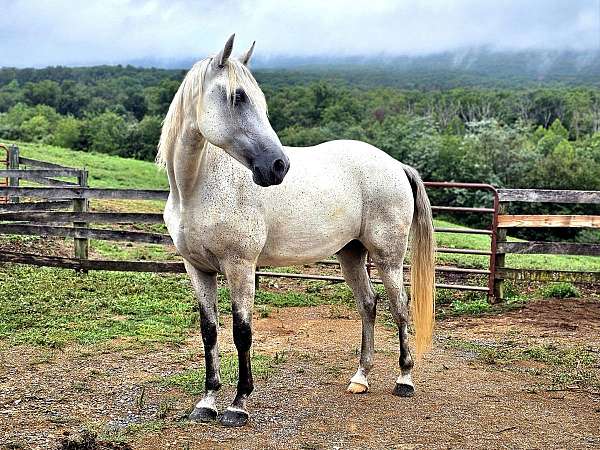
x: 245, y: 59
x: 224, y: 54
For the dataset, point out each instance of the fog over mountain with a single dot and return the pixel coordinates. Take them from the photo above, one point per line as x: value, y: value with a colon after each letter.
x: 291, y: 33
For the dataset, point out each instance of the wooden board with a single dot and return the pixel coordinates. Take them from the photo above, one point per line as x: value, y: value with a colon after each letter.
x: 548, y: 220
x: 36, y: 206
x: 43, y: 164
x: 90, y: 264
x: 89, y: 217
x: 505, y: 273
x: 85, y: 233
x: 548, y: 196
x: 89, y: 193
x: 549, y: 248
x: 25, y: 173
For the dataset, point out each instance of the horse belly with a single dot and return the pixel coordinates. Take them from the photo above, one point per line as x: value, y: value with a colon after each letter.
x: 301, y: 236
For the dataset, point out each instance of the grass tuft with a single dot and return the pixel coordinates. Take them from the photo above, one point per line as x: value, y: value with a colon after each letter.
x: 191, y: 381
x: 560, y: 290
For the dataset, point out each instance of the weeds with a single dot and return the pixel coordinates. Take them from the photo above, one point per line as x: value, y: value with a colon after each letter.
x: 560, y: 290
x: 477, y: 306
x: 565, y: 366
x: 192, y: 381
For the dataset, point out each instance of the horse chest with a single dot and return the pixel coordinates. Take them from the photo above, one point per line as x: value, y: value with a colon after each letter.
x: 206, y: 236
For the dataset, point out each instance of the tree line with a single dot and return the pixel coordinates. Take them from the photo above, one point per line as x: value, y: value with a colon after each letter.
x: 544, y: 137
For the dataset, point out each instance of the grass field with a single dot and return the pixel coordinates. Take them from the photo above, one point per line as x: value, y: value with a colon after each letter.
x: 139, y: 308
x: 104, y: 170
x: 160, y: 308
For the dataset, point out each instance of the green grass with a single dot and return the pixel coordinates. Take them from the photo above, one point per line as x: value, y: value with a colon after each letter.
x: 473, y: 307
x: 53, y: 307
x: 134, y: 252
x: 104, y: 170
x: 566, y: 366
x: 191, y: 381
x: 560, y: 290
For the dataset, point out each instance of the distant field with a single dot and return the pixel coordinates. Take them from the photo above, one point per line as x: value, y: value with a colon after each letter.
x: 104, y: 170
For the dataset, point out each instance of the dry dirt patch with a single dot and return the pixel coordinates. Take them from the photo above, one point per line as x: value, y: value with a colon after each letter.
x: 461, y: 401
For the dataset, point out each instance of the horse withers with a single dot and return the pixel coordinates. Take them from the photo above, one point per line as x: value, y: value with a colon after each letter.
x: 239, y: 200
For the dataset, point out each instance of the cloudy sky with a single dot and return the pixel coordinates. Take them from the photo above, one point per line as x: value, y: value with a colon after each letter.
x: 80, y: 32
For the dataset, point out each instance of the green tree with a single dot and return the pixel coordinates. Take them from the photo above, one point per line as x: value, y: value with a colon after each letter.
x: 68, y: 133
x: 36, y: 129
x: 45, y: 92
x: 105, y: 133
x: 142, y: 138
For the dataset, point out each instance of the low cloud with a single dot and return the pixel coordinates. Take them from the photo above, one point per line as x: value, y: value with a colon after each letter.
x: 34, y: 33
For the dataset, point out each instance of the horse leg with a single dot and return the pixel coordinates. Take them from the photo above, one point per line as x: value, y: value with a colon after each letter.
x: 352, y: 260
x: 241, y: 285
x: 205, y: 286
x: 392, y: 274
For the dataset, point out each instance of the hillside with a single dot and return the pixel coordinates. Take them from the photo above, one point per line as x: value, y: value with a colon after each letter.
x: 104, y: 170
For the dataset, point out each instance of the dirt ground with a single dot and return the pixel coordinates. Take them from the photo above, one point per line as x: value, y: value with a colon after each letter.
x: 462, y: 401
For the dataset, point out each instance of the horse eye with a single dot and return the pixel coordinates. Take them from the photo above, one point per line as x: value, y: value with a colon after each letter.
x: 240, y: 97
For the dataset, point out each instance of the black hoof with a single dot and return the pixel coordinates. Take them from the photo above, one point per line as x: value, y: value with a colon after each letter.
x: 404, y: 390
x: 203, y: 415
x: 234, y: 418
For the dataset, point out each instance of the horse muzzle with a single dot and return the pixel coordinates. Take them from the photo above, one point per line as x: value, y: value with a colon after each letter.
x: 270, y: 172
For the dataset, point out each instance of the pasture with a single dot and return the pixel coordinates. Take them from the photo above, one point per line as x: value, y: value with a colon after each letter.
x: 120, y: 354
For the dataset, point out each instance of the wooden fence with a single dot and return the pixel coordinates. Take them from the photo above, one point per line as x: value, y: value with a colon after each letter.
x: 62, y: 209
x: 507, y: 221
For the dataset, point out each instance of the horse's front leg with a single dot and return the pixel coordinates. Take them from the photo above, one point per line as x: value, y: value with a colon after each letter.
x: 205, y: 286
x: 240, y: 277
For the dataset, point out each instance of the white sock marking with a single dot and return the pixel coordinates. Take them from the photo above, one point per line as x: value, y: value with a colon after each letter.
x: 405, y: 379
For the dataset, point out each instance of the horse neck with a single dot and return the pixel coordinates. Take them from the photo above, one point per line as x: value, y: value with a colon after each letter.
x: 184, y: 165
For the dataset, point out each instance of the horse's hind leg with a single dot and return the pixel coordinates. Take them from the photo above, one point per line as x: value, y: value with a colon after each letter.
x: 205, y: 286
x: 352, y: 259
x: 391, y: 271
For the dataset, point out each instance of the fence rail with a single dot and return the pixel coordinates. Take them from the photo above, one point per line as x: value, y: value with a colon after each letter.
x: 62, y: 209
x: 507, y: 221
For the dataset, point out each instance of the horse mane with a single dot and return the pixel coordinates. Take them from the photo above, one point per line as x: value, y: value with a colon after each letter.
x: 189, y: 94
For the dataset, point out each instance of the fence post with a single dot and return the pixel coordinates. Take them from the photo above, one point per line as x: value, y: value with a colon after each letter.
x: 499, y: 257
x: 256, y: 282
x: 81, y: 245
x: 13, y: 163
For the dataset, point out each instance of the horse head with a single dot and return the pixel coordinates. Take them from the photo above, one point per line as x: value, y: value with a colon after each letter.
x: 232, y: 115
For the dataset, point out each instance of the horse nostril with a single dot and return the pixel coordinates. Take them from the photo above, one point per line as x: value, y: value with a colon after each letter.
x: 279, y: 166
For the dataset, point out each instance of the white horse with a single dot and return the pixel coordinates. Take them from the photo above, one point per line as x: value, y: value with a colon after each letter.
x: 239, y: 200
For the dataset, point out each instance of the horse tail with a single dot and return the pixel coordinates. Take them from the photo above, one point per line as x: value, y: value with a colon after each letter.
x: 422, y: 277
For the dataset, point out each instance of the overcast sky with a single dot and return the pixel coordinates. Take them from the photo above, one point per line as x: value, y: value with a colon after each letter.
x: 80, y: 32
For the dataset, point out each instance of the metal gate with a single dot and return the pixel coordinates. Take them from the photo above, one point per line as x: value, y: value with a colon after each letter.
x: 464, y: 272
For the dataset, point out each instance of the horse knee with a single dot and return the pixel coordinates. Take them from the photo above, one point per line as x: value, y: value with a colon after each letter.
x: 209, y: 331
x: 367, y: 307
x: 242, y: 333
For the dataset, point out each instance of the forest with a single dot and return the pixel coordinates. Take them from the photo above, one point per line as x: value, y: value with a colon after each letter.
x: 451, y: 125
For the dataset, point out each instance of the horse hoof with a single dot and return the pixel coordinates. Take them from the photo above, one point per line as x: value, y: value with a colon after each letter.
x: 357, y: 388
x: 203, y: 414
x: 234, y: 418
x: 404, y: 390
